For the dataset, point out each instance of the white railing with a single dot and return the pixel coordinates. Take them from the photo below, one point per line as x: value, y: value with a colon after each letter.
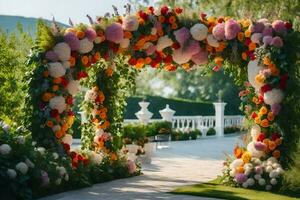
x: 197, y: 122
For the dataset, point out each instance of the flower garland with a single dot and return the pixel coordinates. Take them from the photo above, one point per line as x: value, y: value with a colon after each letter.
x: 158, y: 38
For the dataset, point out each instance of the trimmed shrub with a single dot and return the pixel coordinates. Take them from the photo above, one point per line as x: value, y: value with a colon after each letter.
x: 211, y: 131
x: 156, y: 128
x: 231, y: 129
x: 134, y: 133
x: 195, y: 133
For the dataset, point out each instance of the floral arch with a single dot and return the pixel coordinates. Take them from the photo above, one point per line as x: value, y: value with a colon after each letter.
x: 259, y: 51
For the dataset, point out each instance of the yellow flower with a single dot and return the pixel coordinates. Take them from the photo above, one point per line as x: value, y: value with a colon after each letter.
x: 247, y: 33
x: 246, y: 157
x: 263, y: 110
x: 257, y: 120
x: 260, y: 78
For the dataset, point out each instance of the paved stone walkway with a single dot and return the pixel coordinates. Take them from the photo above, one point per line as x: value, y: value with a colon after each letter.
x: 183, y: 163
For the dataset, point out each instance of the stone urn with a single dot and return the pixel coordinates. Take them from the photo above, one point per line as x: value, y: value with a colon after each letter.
x: 148, y: 148
x: 132, y: 150
x: 144, y: 115
x: 167, y: 113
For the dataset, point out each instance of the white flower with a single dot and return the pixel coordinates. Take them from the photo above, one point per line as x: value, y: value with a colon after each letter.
x: 279, y: 170
x: 29, y: 163
x: 56, y: 128
x: 5, y: 149
x: 163, y: 42
x: 63, y: 51
x: 61, y: 170
x: 11, y: 173
x: 269, y: 169
x: 212, y: 41
x: 273, y: 174
x: 66, y: 64
x: 67, y: 177
x: 5, y: 127
x: 272, y: 160
x: 73, y: 87
x: 22, y: 167
x: 85, y: 46
x: 254, y: 153
x: 58, y: 103
x: 130, y: 23
x: 255, y: 131
x: 268, y: 187
x: 180, y: 57
x: 157, y: 12
x: 250, y: 181
x: 253, y: 70
x: 90, y: 95
x: 256, y: 37
x: 56, y: 69
x: 199, y: 31
x: 153, y: 31
x: 41, y: 150
x: 262, y: 182
x: 21, y: 139
x: 68, y: 139
x: 33, y: 143
x: 58, y: 181
x: 275, y: 96
x: 245, y: 185
x: 273, y: 181
x: 236, y: 163
x: 124, y: 43
x: 96, y: 158
x: 55, y: 155
x: 257, y: 176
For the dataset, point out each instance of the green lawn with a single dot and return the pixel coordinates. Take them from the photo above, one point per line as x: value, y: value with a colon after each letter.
x: 216, y: 190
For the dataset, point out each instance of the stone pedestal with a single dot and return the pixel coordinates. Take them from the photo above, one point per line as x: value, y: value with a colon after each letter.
x: 167, y: 113
x: 144, y: 115
x: 219, y: 114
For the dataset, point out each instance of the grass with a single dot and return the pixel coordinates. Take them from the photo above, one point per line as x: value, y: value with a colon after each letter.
x: 216, y: 190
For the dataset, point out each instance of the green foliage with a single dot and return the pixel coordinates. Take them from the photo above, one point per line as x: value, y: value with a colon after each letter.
x: 45, y: 38
x: 14, y: 48
x: 195, y: 133
x: 231, y: 129
x: 134, y: 133
x: 211, y: 131
x: 156, y: 128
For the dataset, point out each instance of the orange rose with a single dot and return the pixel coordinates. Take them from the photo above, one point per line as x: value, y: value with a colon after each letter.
x: 247, y: 33
x: 57, y: 80
x: 263, y: 110
x: 266, y: 61
x: 278, y: 141
x: 59, y: 134
x: 80, y: 34
x: 238, y: 152
x: 240, y: 36
x: 109, y: 71
x: 113, y: 156
x: 257, y: 120
x: 240, y: 169
x: 276, y: 154
x: 47, y: 96
x: 264, y: 123
x: 271, y: 116
x: 252, y: 46
x: 272, y: 145
x: 55, y: 87
x: 49, y: 124
x: 84, y: 60
x: 174, y: 26
x: 97, y: 56
x: 172, y: 19
x: 72, y: 61
x: 161, y: 19
x: 127, y: 34
x: 46, y: 73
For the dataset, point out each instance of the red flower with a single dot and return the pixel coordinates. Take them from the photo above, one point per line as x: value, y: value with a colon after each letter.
x: 178, y: 10
x: 216, y: 68
x: 75, y: 163
x: 288, y: 25
x: 85, y: 161
x: 253, y: 115
x: 143, y: 15
x: 154, y: 64
x: 151, y: 9
x: 66, y: 147
x: 70, y: 113
x: 282, y: 81
x: 64, y: 82
x: 164, y: 10
x: 275, y: 136
x: 175, y: 45
x: 266, y: 88
x: 203, y: 16
x: 168, y: 59
x: 70, y: 100
x: 247, y: 41
x: 132, y: 61
x: 261, y: 98
x: 54, y: 113
x: 261, y: 137
x: 81, y: 75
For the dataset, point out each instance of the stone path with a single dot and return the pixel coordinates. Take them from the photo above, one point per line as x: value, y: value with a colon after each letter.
x: 183, y: 163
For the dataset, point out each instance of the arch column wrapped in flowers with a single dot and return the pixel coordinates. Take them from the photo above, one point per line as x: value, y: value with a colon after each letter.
x: 160, y: 38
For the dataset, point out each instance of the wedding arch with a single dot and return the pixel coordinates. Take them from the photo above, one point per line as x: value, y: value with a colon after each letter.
x: 258, y: 54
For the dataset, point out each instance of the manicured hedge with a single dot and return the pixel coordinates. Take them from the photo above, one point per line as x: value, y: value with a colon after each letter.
x: 182, y: 107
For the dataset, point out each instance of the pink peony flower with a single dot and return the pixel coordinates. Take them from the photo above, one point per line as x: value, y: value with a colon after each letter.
x: 150, y: 50
x: 114, y: 33
x: 275, y: 108
x: 192, y: 48
x: 259, y: 27
x: 71, y: 39
x: 241, y: 178
x: 267, y: 40
x: 130, y: 23
x: 232, y: 28
x: 200, y: 58
x: 258, y: 170
x: 268, y: 31
x: 91, y: 34
x: 256, y: 38
x: 51, y: 55
x: 279, y: 26
x: 182, y: 35
x: 277, y: 42
x: 219, y: 31
x: 260, y: 146
x: 131, y: 166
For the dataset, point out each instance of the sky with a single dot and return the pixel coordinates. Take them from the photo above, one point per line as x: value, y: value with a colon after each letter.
x: 60, y: 9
